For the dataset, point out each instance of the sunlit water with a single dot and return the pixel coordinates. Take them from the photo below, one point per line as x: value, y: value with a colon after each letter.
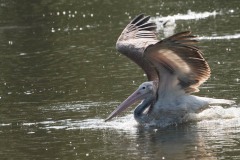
x: 61, y: 77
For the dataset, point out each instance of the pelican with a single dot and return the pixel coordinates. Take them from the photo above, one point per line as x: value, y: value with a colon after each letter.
x: 174, y: 66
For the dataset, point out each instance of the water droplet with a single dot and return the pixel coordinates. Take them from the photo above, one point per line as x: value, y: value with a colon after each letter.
x: 53, y: 30
x: 228, y: 49
x: 23, y: 54
x: 87, y: 154
x: 64, y: 12
x: 30, y: 132
x: 10, y: 42
x: 28, y: 92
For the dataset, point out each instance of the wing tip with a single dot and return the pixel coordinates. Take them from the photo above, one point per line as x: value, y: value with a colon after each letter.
x: 136, y: 19
x: 141, y: 21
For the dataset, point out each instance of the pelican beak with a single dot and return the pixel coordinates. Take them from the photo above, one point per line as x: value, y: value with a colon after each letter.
x: 137, y: 95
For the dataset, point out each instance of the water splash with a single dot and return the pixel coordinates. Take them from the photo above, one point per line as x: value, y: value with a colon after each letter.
x: 121, y: 123
x: 126, y: 123
x: 234, y: 36
x: 226, y: 114
x: 168, y: 24
x: 188, y: 16
x: 213, y: 114
x: 216, y: 113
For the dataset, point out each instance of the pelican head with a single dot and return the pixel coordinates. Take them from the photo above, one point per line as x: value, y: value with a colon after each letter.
x: 146, y: 91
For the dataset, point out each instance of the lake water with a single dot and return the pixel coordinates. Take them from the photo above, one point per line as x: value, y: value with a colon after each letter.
x: 61, y: 76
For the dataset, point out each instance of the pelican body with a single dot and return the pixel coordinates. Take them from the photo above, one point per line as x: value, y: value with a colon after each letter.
x: 174, y: 66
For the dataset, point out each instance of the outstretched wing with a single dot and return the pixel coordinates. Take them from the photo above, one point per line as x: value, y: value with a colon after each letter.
x: 180, y: 57
x: 176, y: 54
x: 134, y: 39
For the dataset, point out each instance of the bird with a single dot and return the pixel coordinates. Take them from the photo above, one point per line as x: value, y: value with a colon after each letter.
x: 174, y: 66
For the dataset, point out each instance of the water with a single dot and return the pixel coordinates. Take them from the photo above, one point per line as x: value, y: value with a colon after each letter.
x: 61, y: 77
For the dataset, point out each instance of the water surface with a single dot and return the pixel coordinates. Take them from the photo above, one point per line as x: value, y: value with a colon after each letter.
x: 61, y: 77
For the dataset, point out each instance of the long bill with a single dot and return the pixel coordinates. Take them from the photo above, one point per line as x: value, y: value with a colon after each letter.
x: 127, y: 103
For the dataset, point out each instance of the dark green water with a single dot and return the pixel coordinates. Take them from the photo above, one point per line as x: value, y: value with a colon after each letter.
x: 60, y: 76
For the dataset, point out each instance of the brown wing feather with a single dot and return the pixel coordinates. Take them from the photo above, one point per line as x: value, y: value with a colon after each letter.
x: 139, y: 28
x: 134, y: 39
x: 179, y: 56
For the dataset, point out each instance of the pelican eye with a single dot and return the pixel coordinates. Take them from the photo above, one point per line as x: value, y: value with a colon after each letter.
x: 143, y: 87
